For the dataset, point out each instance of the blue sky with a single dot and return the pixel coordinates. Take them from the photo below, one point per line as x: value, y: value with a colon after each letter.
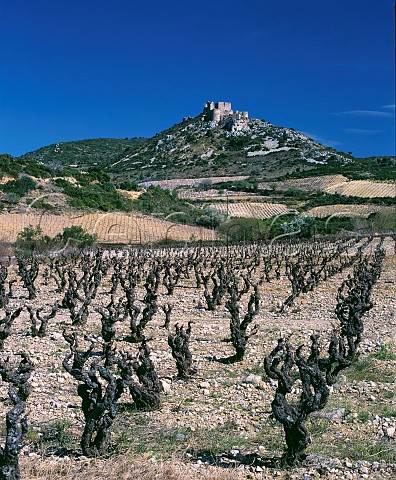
x: 82, y: 69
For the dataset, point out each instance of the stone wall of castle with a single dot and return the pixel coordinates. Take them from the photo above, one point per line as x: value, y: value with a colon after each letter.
x: 217, y: 111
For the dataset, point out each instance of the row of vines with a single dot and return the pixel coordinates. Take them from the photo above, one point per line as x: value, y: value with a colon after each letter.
x: 127, y: 288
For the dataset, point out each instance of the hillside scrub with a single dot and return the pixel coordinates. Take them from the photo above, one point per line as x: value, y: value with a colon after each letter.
x: 102, y: 151
x: 9, y: 166
x: 164, y: 203
x: 19, y: 187
x: 286, y: 225
x: 31, y: 240
x: 371, y: 168
x: 93, y: 194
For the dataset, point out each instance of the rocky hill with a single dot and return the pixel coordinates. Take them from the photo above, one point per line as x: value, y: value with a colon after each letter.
x: 247, y: 159
x: 198, y: 148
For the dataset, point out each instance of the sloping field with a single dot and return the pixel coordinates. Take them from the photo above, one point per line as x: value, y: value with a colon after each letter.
x: 348, y: 210
x: 119, y: 228
x: 190, y: 182
x: 308, y: 184
x: 212, y: 193
x: 251, y: 209
x: 364, y: 189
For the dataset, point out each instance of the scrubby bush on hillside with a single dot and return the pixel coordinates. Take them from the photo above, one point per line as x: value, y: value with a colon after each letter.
x: 37, y: 170
x: 164, y: 203
x: 8, y: 166
x: 20, y: 186
x: 128, y: 185
x: 100, y: 196
x: 300, y: 226
x: 76, y: 236
x: 211, y: 218
x: 31, y: 240
x: 243, y: 229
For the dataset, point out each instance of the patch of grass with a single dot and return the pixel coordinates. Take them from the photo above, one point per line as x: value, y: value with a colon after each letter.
x: 219, y: 439
x: 385, y: 353
x: 32, y: 435
x: 364, y: 411
x: 369, y: 370
x: 317, y: 426
x: 389, y: 411
x: 139, y: 434
x: 271, y: 436
x: 388, y: 394
x: 57, y: 434
x: 358, y: 448
x: 233, y: 373
x: 257, y: 369
x: 362, y: 449
x: 364, y: 416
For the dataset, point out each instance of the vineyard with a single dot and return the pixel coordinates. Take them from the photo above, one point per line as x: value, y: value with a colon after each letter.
x: 307, y: 184
x: 236, y: 361
x: 212, y: 194
x: 336, y: 184
x: 190, y: 182
x: 251, y: 209
x: 112, y: 228
x: 364, y: 189
x: 348, y: 210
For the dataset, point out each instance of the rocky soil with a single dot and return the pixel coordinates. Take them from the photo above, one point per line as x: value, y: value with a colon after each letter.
x: 220, y: 421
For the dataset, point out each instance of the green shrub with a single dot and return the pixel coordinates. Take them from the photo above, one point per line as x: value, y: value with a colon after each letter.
x: 300, y: 227
x: 99, y: 196
x: 37, y: 170
x: 243, y: 229
x: 239, y: 142
x: 164, y: 203
x: 9, y: 166
x: 128, y: 185
x: 31, y: 240
x: 20, y: 186
x: 76, y: 236
x: 380, y: 221
x: 211, y: 218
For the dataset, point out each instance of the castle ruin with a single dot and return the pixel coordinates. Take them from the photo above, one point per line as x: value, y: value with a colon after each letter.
x: 214, y: 112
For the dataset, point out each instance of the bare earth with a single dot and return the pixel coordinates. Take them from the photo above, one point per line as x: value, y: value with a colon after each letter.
x: 224, y: 407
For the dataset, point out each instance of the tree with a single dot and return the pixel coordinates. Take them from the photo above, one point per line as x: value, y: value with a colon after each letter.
x: 77, y: 236
x: 211, y: 218
x: 31, y: 240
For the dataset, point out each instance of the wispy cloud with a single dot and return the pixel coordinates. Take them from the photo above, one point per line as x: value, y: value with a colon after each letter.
x: 365, y: 113
x: 362, y: 131
x: 323, y: 141
x: 389, y: 107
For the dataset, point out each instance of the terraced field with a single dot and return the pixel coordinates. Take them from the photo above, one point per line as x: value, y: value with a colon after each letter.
x: 307, y: 184
x: 364, y: 189
x: 337, y: 184
x: 117, y: 228
x: 251, y: 209
x: 213, y: 194
x: 349, y: 210
x: 190, y: 182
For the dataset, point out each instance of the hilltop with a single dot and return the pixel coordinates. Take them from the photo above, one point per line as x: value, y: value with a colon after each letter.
x: 193, y: 172
x: 202, y: 146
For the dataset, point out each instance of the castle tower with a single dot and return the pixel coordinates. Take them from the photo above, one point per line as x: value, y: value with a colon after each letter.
x: 217, y: 111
